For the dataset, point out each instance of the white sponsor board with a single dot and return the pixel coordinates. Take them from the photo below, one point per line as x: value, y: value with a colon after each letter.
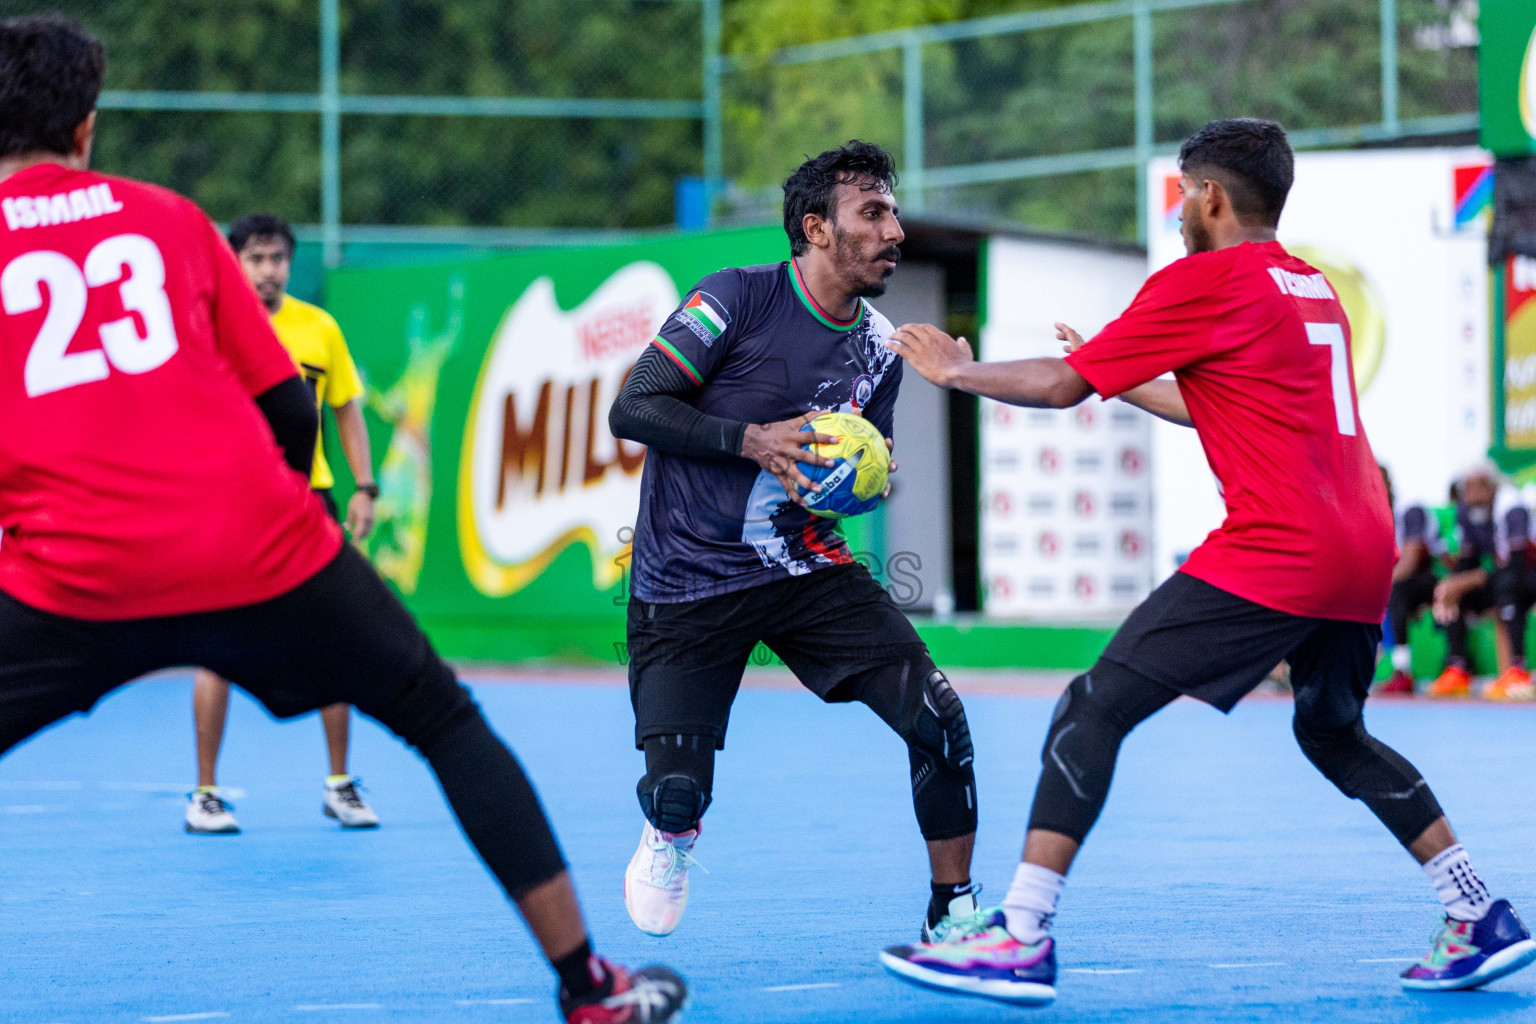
x: 1065, y: 515
x: 1382, y: 227
x: 540, y: 469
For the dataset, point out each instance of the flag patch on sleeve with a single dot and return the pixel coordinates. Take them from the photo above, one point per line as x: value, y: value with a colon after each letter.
x: 705, y: 316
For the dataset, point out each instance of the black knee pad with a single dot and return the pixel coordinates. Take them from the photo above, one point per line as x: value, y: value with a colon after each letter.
x: 673, y: 803
x: 1365, y: 769
x: 938, y: 723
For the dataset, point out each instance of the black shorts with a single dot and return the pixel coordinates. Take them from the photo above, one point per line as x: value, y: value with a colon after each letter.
x: 339, y: 637
x: 686, y: 659
x: 329, y: 502
x: 1214, y: 646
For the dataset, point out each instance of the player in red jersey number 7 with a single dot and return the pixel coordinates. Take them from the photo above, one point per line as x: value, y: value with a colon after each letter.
x: 155, y: 448
x: 1259, y: 348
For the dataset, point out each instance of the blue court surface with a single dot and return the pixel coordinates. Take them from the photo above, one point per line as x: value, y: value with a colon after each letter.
x: 1226, y: 881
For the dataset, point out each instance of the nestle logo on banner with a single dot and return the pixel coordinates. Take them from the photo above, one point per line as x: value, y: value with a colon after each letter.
x: 1087, y: 544
x: 1041, y: 503
x: 1087, y: 461
x: 1082, y: 504
x: 1005, y: 544
x: 1124, y: 586
x: 612, y: 332
x: 1123, y: 504
x: 1041, y: 417
x: 1005, y: 458
x: 1041, y: 586
x: 1132, y: 461
x: 1123, y: 417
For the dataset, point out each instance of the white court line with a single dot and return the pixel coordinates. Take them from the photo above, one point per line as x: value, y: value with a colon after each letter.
x: 1389, y: 960
x: 1102, y: 970
x: 493, y: 1002
x: 210, y: 1015
x: 801, y: 988
x: 311, y: 1007
x: 1238, y: 967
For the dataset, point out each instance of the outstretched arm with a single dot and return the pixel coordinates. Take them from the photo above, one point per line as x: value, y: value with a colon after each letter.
x: 1161, y: 398
x: 949, y: 363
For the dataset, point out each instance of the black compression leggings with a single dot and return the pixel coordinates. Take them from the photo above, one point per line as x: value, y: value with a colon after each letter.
x: 1104, y: 704
x: 912, y: 697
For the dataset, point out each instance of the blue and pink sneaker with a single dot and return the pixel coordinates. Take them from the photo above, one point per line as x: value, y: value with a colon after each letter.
x: 979, y: 958
x: 1472, y: 953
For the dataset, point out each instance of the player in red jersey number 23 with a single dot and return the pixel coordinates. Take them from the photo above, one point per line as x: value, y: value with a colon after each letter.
x: 1300, y: 569
x: 155, y: 448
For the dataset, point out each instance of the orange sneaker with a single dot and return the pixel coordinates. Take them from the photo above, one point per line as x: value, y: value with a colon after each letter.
x: 1455, y: 681
x: 1398, y: 684
x: 1513, y: 684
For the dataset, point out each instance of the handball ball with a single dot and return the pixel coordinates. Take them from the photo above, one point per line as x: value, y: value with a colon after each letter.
x: 852, y: 484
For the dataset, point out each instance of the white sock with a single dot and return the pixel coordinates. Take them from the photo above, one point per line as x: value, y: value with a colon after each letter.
x: 1465, y: 896
x: 1402, y: 658
x: 1031, y: 902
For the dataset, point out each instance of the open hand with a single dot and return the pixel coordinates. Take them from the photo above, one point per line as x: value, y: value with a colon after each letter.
x: 360, y: 515
x: 1074, y: 341
x: 931, y: 352
x: 780, y: 447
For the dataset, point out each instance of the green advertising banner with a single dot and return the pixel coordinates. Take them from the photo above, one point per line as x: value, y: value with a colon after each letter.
x: 507, y: 506
x: 1507, y: 76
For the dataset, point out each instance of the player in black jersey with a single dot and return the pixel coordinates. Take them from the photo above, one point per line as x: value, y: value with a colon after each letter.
x: 725, y: 554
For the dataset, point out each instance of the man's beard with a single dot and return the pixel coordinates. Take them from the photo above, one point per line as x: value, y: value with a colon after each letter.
x: 1197, y: 238
x: 854, y: 266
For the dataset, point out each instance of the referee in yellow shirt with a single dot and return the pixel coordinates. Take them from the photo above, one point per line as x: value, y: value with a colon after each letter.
x: 265, y: 247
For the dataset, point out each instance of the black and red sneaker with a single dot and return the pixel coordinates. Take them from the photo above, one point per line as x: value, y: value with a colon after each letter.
x: 652, y: 995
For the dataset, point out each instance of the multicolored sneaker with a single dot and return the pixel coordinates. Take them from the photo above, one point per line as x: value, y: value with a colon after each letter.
x: 1455, y: 681
x: 978, y: 957
x: 1472, y: 953
x: 1514, y: 683
x: 656, y: 881
x: 962, y: 908
x: 1398, y: 684
x: 652, y: 995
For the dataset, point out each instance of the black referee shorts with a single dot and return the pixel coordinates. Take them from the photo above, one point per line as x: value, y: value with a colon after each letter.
x: 686, y: 659
x: 1207, y: 643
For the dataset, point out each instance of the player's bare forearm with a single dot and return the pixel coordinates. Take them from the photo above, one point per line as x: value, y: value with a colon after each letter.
x: 1162, y: 399
x: 353, y: 431
x: 949, y: 363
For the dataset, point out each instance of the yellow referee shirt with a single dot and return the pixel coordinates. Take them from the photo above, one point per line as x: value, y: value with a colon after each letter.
x: 313, y: 338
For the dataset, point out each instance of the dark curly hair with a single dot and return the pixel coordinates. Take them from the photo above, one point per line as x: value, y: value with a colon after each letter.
x: 813, y: 186
x: 260, y: 225
x: 1251, y: 158
x: 50, y: 77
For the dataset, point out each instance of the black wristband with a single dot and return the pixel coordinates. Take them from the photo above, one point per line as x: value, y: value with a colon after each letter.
x: 372, y: 490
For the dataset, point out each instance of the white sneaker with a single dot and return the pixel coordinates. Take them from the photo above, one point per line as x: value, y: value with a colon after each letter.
x: 962, y: 908
x: 346, y: 805
x: 208, y: 814
x: 656, y: 882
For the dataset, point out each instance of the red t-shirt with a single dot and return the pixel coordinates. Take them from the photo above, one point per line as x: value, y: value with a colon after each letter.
x: 1260, y: 347
x: 137, y: 476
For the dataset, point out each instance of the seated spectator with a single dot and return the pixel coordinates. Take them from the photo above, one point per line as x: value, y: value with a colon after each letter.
x: 1514, y: 590
x: 1463, y: 592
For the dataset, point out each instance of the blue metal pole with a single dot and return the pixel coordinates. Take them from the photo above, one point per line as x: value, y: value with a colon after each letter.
x: 714, y: 169
x: 330, y: 130
x: 1141, y: 45
x: 1389, y: 112
x: 912, y: 123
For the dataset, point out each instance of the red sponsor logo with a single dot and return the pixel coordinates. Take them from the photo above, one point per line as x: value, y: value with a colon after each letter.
x: 1084, y: 586
x: 1131, y: 544
x: 1002, y: 415
x: 1002, y: 503
x: 1049, y: 460
x: 1082, y: 504
x: 1086, y: 416
x: 610, y: 332
x: 1001, y: 587
x: 1047, y: 544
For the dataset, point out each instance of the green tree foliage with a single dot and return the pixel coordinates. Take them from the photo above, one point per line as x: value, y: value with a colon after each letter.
x: 1309, y: 63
